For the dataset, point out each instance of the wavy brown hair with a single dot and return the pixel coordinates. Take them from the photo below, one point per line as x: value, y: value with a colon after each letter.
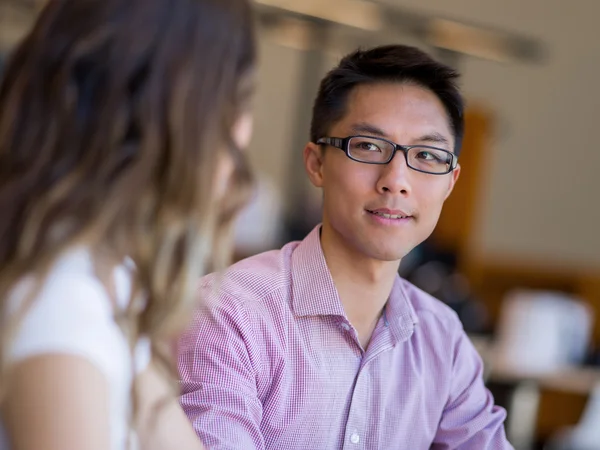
x: 114, y: 118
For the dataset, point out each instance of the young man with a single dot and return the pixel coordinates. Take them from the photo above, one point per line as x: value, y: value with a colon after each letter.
x: 321, y: 345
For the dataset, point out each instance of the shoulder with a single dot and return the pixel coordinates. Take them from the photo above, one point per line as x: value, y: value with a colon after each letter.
x: 429, y: 311
x: 70, y: 286
x: 438, y: 332
x: 251, y: 282
x: 249, y: 301
x: 70, y: 312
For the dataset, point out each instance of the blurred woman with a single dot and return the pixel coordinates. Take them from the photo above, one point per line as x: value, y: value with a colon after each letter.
x: 121, y: 129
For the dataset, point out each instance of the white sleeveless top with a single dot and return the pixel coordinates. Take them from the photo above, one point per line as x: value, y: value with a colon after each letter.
x: 73, y: 314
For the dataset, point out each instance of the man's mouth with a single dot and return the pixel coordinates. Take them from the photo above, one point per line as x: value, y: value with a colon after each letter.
x: 387, y: 214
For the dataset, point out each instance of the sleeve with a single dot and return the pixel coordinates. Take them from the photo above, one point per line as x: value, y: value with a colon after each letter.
x: 218, y: 375
x: 470, y: 419
x: 71, y: 315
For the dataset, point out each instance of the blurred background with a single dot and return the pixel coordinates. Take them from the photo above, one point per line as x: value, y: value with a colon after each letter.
x: 517, y: 251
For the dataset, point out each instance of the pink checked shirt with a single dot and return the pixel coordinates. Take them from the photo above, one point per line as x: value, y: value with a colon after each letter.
x: 273, y: 363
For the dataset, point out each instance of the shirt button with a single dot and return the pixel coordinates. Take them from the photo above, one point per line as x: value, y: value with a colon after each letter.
x: 355, y: 438
x: 345, y: 326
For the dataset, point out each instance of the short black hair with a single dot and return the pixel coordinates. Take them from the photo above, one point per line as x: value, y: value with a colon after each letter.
x: 388, y: 63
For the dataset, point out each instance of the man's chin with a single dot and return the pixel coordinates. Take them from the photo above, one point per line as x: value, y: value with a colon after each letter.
x: 388, y: 255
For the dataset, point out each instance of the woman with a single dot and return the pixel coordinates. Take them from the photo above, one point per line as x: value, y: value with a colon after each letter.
x: 121, y: 124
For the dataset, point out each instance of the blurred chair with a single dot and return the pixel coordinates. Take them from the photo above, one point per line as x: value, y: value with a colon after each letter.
x: 542, y: 337
x: 541, y: 332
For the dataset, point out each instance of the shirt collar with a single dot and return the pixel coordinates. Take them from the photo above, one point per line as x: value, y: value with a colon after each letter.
x: 400, y: 315
x: 314, y: 293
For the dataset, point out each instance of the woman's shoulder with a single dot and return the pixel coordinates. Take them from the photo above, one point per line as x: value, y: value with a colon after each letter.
x: 73, y: 278
x: 70, y: 311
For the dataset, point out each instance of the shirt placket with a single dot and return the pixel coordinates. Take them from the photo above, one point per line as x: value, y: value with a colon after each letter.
x: 357, y: 425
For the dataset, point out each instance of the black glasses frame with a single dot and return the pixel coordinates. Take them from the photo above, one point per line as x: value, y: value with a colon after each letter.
x: 343, y: 144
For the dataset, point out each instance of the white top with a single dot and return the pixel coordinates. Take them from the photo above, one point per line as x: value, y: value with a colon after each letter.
x: 73, y: 314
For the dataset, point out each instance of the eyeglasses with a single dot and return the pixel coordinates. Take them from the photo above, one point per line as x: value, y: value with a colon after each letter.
x: 371, y: 150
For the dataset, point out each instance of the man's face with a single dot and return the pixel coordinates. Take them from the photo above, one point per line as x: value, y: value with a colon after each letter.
x: 356, y: 194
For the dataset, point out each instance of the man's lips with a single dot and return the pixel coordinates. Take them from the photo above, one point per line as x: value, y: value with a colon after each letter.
x: 389, y: 213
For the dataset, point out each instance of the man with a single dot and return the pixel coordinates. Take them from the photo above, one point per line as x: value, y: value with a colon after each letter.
x: 321, y: 345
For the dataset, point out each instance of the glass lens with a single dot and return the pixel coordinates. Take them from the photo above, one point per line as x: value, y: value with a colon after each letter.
x: 430, y: 160
x: 371, y: 150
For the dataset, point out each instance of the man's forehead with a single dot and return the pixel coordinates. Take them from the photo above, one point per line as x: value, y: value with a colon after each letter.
x: 384, y: 109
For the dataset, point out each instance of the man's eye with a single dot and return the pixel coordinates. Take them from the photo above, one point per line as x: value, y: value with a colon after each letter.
x: 368, y: 146
x: 426, y: 155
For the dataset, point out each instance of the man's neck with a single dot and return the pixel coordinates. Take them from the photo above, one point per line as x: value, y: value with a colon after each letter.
x: 363, y: 284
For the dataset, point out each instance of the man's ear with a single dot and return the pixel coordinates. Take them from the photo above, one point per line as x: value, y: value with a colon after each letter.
x: 454, y: 179
x: 313, y: 163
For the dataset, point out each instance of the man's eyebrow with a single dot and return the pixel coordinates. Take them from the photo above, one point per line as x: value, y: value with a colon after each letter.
x: 434, y: 138
x: 367, y: 128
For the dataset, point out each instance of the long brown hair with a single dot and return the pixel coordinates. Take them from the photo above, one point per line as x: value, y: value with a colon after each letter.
x: 114, y: 117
